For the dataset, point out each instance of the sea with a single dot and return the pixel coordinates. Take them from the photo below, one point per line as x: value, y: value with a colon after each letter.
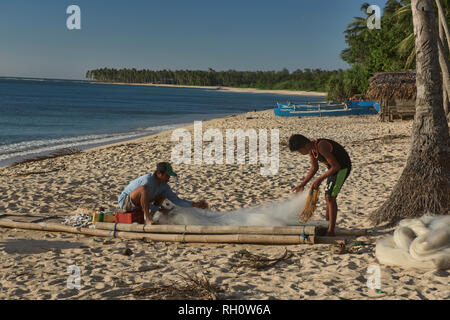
x: 40, y: 117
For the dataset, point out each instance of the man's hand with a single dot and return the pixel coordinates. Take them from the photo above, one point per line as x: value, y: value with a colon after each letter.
x: 298, y: 189
x: 202, y: 204
x: 316, y: 183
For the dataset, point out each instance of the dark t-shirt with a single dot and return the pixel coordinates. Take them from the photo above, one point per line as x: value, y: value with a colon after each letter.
x: 337, y: 150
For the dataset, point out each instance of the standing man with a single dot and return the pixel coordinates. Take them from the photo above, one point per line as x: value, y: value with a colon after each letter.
x: 334, y: 156
x: 148, y: 192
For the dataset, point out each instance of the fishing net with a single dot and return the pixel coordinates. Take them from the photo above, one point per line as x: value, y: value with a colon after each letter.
x: 310, y: 206
x: 280, y: 213
x: 422, y: 243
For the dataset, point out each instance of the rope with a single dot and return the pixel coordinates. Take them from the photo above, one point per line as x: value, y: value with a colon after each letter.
x: 303, y: 235
x: 184, y: 233
x: 114, y: 230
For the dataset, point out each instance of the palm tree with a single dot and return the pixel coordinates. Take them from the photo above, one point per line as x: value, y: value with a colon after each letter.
x: 403, y: 17
x: 425, y: 181
x: 353, y: 31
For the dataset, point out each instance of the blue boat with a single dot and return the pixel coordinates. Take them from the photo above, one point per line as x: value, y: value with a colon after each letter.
x: 327, y: 110
x: 312, y: 105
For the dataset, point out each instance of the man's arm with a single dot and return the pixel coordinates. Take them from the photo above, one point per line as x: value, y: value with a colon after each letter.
x: 312, y: 171
x: 169, y: 194
x: 145, y: 204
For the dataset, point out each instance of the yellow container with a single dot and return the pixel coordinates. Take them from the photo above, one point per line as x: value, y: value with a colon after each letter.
x: 102, y: 217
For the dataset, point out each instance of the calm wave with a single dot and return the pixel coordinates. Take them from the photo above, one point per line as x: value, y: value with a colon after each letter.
x: 40, y: 116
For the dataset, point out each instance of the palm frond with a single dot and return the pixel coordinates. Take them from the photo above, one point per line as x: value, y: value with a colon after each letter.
x: 411, y: 59
x: 406, y: 45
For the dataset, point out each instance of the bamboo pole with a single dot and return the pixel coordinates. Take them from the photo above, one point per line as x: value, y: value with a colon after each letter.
x: 188, y: 238
x: 189, y: 229
x: 42, y: 226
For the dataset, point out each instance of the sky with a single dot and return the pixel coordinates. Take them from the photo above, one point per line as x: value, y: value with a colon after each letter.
x: 173, y: 34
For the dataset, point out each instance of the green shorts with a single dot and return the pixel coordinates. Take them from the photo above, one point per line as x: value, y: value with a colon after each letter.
x: 335, y: 182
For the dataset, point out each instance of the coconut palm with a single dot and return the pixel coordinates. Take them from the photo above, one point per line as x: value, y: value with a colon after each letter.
x: 403, y: 17
x: 425, y: 181
x: 353, y: 32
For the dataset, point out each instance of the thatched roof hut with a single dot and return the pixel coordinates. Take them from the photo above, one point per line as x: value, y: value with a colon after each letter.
x: 396, y: 92
x: 386, y: 87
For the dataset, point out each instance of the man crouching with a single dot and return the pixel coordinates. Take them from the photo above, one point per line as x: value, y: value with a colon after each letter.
x: 148, y: 192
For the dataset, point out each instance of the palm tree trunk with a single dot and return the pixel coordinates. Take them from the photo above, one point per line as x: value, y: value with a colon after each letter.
x: 425, y: 181
x: 443, y: 61
x: 443, y: 21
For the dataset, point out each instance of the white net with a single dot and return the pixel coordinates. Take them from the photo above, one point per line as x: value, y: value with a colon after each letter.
x: 281, y: 213
x: 422, y: 243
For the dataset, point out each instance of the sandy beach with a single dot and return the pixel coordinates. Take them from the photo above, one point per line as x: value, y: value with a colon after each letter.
x: 35, y: 264
x: 230, y: 89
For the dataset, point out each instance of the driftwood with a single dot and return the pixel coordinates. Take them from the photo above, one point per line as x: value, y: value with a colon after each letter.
x: 248, y: 259
x: 193, y: 287
x: 190, y: 229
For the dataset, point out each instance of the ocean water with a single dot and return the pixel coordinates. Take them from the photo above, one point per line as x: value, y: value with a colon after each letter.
x: 41, y: 116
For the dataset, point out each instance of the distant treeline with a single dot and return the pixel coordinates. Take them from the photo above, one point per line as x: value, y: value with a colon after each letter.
x: 304, y: 80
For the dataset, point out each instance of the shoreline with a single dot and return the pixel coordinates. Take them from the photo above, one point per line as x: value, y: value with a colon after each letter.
x: 220, y: 88
x: 116, y: 142
x: 155, y: 134
x: 95, y: 145
x: 119, y: 141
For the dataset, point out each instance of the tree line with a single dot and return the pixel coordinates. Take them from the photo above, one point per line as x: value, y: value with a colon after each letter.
x: 304, y: 80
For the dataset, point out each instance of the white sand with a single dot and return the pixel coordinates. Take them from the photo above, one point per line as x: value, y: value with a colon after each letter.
x: 34, y: 264
x: 231, y: 89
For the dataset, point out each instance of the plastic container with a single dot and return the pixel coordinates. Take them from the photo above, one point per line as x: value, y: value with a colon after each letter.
x: 103, y: 217
x: 129, y: 217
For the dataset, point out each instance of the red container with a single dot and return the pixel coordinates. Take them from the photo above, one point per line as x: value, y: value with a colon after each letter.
x: 130, y: 217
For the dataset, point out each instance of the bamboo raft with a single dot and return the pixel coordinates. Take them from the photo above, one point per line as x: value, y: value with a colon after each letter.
x: 304, y: 234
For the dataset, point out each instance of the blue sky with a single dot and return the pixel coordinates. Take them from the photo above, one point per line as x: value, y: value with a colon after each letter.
x: 196, y: 34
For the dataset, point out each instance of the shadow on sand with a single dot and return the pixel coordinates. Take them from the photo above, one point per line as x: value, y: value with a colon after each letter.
x: 30, y: 246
